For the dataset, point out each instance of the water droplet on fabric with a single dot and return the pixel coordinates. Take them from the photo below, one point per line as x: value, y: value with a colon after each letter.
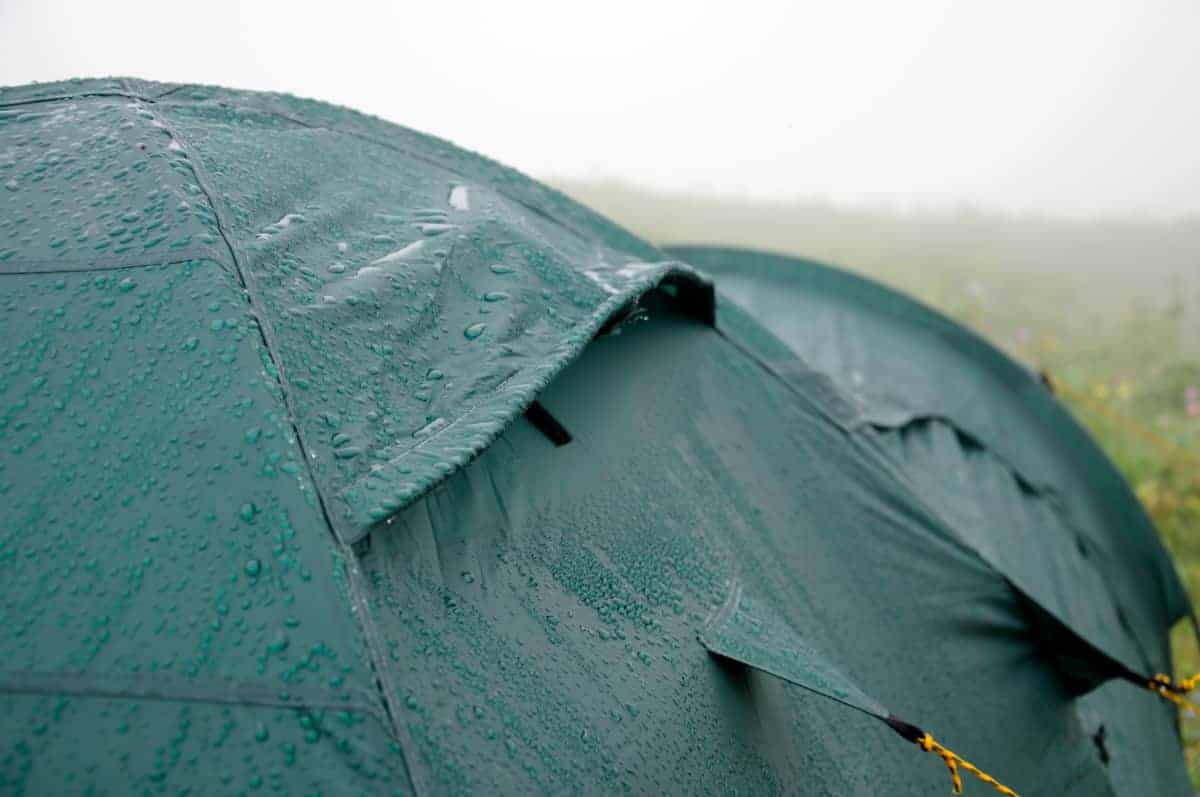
x: 459, y: 199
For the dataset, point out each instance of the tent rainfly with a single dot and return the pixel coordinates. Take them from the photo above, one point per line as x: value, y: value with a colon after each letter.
x: 337, y: 459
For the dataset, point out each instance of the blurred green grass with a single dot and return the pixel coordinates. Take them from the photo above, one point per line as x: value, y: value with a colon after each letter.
x: 1110, y: 308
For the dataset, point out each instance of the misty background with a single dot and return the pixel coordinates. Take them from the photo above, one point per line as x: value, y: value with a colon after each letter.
x: 1067, y: 108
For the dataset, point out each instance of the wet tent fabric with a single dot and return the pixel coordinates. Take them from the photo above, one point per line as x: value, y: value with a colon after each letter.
x: 275, y: 520
x: 968, y: 450
x: 572, y: 607
x: 984, y: 442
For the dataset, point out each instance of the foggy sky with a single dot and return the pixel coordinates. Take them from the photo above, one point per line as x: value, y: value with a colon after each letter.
x: 1060, y: 107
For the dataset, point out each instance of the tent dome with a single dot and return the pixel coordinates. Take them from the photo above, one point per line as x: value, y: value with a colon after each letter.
x: 339, y: 459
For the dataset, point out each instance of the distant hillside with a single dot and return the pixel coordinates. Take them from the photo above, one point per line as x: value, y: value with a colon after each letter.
x: 1076, y: 276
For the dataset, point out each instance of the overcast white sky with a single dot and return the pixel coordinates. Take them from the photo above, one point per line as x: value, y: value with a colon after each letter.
x: 1074, y: 107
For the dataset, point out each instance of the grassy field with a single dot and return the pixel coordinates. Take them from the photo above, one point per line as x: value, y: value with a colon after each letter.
x: 1110, y: 308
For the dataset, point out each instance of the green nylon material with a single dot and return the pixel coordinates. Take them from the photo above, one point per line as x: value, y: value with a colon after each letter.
x: 273, y: 518
x: 746, y: 632
x: 567, y: 610
x: 963, y: 419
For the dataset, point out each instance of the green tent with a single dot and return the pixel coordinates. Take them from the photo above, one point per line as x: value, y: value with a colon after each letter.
x: 337, y: 459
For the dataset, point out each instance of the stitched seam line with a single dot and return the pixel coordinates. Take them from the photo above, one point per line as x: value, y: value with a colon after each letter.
x: 139, y: 686
x: 75, y: 266
x: 350, y: 561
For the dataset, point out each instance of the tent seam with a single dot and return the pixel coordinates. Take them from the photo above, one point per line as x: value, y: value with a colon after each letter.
x: 360, y: 605
x: 76, y: 266
x: 83, y: 95
x: 107, y: 686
